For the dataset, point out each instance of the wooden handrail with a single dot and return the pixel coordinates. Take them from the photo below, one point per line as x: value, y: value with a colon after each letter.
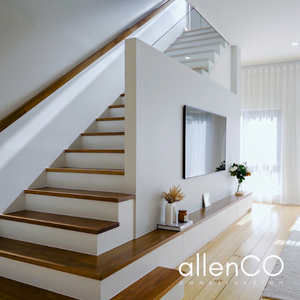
x: 31, y: 103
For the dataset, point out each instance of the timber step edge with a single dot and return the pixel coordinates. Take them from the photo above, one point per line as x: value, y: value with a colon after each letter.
x: 102, y: 133
x: 87, y: 171
x: 111, y: 119
x: 102, y: 266
x: 92, y: 226
x: 81, y: 194
x: 117, y: 106
x: 15, y: 290
x: 94, y: 151
x: 153, y: 285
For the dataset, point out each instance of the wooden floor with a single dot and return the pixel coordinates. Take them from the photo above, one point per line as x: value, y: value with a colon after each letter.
x: 261, y: 233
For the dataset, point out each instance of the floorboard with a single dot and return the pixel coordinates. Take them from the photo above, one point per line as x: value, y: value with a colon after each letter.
x: 261, y: 233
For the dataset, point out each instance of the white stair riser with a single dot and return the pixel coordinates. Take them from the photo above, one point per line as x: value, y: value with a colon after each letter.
x: 213, y: 56
x: 60, y: 282
x: 73, y: 207
x: 95, y: 160
x: 196, y: 36
x: 103, y: 142
x: 107, y: 126
x: 49, y: 236
x: 195, y: 31
x: 73, y: 240
x: 176, y: 293
x: 181, y: 51
x: 202, y: 72
x: 205, y: 64
x: 97, y: 182
x: 118, y: 281
x: 177, y: 45
x: 117, y: 112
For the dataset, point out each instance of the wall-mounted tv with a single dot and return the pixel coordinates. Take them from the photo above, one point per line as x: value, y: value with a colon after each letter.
x: 204, y: 142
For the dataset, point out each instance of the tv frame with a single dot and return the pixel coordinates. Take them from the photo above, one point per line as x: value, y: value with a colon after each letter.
x: 184, y: 141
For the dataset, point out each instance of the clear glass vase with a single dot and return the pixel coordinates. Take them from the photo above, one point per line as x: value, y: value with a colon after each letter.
x: 239, y: 191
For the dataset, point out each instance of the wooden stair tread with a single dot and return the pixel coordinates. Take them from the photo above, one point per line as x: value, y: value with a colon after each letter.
x: 152, y: 286
x: 90, y: 266
x: 81, y: 194
x: 117, y: 106
x: 87, y: 170
x: 101, y: 266
x: 101, y: 133
x: 14, y: 290
x: 86, y: 225
x: 111, y: 119
x: 94, y: 151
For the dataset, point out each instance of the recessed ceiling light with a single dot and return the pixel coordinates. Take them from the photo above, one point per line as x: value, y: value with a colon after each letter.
x: 294, y: 44
x: 187, y: 57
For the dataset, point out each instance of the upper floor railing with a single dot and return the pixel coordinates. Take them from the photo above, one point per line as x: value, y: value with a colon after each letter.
x: 184, y: 35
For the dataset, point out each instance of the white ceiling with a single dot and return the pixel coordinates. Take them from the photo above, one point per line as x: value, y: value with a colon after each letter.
x: 263, y: 29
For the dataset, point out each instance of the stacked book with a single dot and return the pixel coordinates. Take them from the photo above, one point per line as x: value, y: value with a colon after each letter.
x: 176, y: 226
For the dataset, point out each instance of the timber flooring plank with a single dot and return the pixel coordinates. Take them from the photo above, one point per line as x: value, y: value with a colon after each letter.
x: 86, y: 225
x: 81, y: 194
x: 263, y: 234
x: 14, y: 290
x: 103, y: 171
x: 152, y: 286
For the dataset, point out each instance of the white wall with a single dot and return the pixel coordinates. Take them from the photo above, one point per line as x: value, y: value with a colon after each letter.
x: 42, y: 40
x: 157, y: 87
x: 34, y: 141
x: 221, y: 74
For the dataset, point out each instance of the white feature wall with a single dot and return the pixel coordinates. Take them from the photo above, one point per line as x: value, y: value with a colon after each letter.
x: 42, y: 40
x: 157, y: 88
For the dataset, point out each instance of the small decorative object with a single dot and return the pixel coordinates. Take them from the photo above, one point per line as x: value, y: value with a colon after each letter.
x: 206, y: 200
x: 174, y: 195
x: 182, y: 216
x: 221, y: 167
x: 176, y: 226
x: 240, y: 172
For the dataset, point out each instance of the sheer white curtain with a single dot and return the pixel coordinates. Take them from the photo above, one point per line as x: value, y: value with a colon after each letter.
x: 270, y: 132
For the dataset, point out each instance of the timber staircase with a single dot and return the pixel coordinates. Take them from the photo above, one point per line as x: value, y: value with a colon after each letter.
x: 198, y: 49
x: 79, y: 229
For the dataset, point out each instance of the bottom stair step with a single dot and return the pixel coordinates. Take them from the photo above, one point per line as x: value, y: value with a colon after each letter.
x: 14, y: 290
x: 152, y: 286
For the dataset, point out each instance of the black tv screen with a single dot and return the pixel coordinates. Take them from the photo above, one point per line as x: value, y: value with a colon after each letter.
x: 204, y: 142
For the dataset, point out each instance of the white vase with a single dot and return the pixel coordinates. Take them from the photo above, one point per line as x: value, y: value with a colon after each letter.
x: 170, y: 213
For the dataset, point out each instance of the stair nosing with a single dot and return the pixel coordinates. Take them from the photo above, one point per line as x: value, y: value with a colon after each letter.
x: 111, y: 119
x: 205, y: 45
x: 205, y: 28
x: 186, y: 36
x: 195, y: 60
x: 120, y: 151
x: 11, y: 288
x: 117, y: 106
x: 59, y: 225
x: 66, y: 193
x: 196, y: 40
x: 194, y: 53
x: 87, y: 170
x: 102, y: 133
